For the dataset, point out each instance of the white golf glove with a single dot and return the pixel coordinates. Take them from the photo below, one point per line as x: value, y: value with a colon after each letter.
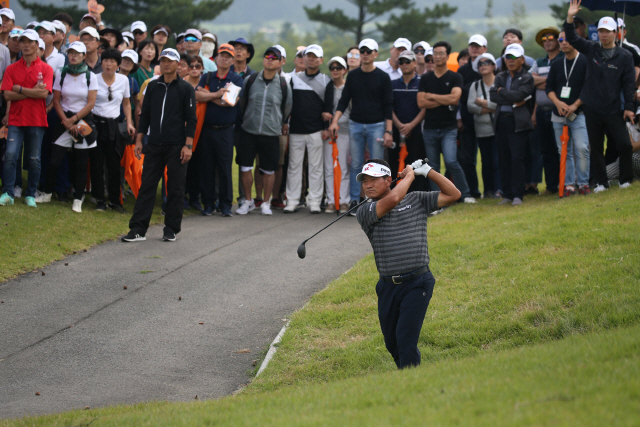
x: 415, y: 165
x: 422, y: 170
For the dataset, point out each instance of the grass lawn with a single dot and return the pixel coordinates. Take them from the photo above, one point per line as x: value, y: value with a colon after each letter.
x: 535, y: 320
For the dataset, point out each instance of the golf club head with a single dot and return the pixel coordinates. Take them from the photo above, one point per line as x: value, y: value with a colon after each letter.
x: 302, y: 251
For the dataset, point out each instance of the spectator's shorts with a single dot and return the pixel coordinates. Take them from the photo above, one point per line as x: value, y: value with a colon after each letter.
x: 268, y: 147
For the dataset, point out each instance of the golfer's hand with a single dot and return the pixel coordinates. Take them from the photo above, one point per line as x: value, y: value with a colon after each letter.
x: 137, y: 150
x: 185, y: 154
x: 423, y: 170
x: 407, y: 172
x: 417, y: 164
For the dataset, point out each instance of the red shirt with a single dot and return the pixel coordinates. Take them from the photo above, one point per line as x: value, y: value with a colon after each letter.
x: 30, y: 111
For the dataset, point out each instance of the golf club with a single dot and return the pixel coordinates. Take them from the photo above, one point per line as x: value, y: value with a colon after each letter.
x: 302, y: 250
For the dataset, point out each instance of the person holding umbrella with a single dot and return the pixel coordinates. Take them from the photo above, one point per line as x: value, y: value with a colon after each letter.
x: 570, y: 72
x: 609, y: 73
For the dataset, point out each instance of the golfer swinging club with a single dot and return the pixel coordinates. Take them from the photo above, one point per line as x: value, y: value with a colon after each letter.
x: 396, y: 224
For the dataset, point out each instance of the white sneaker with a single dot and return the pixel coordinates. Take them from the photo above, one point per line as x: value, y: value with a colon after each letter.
x: 469, y: 200
x: 246, y: 207
x: 17, y: 192
x: 291, y: 207
x: 77, y: 206
x: 625, y: 185
x: 315, y: 208
x: 43, y: 198
x: 600, y: 188
x: 265, y: 208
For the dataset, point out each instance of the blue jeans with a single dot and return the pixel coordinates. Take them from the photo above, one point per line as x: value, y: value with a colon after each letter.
x: 577, y: 166
x: 437, y: 141
x: 32, y: 138
x: 361, y: 135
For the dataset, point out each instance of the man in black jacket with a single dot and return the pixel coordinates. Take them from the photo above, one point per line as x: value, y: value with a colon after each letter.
x: 169, y: 115
x: 610, y: 72
x: 512, y: 90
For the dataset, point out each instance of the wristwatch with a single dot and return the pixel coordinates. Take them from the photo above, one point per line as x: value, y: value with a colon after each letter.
x: 389, y: 132
x: 189, y: 146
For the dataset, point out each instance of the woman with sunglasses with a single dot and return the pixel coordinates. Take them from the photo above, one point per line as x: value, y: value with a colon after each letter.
x: 420, y: 49
x: 483, y: 111
x: 353, y: 58
x: 148, y: 53
x: 113, y: 92
x: 74, y: 95
x: 195, y: 71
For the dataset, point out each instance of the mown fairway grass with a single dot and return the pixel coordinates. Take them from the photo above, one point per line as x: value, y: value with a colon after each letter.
x: 534, y: 321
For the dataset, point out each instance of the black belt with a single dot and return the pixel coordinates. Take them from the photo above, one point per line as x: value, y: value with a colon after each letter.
x: 506, y: 114
x: 217, y: 127
x: 404, y: 277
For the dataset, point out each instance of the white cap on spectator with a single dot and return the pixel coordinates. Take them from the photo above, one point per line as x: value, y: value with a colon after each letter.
x: 128, y: 35
x: 140, y: 26
x: 170, y: 53
x: 16, y: 32
x: 131, y: 54
x: 514, y: 49
x: 78, y: 47
x: 211, y: 36
x: 31, y: 24
x: 315, y: 49
x: 339, y: 60
x: 30, y: 34
x: 193, y: 32
x: 485, y: 55
x: 429, y: 52
x: 91, y: 31
x: 300, y: 51
x: 402, y: 42
x: 282, y: 50
x: 60, y: 26
x: 47, y: 26
x: 41, y: 44
x: 369, y: 43
x: 160, y: 30
x: 8, y: 13
x: 478, y: 39
x: 607, y: 23
x: 89, y: 16
x: 621, y: 23
x: 423, y: 44
x: 407, y: 54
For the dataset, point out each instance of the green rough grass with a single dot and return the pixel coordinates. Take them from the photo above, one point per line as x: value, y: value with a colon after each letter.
x: 518, y: 332
x: 588, y: 380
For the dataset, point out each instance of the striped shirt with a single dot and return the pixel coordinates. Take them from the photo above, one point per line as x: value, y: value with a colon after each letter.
x: 399, y: 239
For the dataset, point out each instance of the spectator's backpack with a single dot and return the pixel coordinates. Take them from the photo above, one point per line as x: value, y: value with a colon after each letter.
x: 64, y: 74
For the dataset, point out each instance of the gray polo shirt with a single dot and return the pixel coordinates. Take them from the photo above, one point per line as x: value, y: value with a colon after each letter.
x: 399, y: 239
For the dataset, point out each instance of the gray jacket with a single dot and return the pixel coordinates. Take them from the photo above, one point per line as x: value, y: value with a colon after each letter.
x: 482, y: 122
x: 263, y: 113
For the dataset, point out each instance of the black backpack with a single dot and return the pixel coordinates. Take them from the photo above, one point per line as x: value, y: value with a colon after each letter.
x: 64, y: 74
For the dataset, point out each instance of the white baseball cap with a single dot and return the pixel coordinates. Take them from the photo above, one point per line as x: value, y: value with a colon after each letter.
x: 478, y: 39
x: 315, y: 49
x: 91, y: 31
x: 160, y: 30
x: 402, y: 42
x: 8, y: 13
x: 608, y: 23
x: 47, y: 26
x: 282, y: 50
x: 300, y: 51
x: 485, y: 55
x: 210, y: 36
x: 41, y: 44
x: 31, y: 24
x: 131, y: 54
x: 426, y: 46
x: 170, y: 53
x: 429, y: 52
x: 408, y: 54
x: 16, y: 32
x: 339, y: 60
x: 139, y: 25
x: 60, y: 26
x: 621, y: 23
x: 193, y: 32
x: 368, y: 43
x: 30, y: 34
x: 373, y: 169
x: 514, y: 49
x: 78, y: 47
x: 128, y: 35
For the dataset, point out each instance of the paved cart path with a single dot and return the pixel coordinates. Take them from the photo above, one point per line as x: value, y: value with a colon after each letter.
x: 80, y: 339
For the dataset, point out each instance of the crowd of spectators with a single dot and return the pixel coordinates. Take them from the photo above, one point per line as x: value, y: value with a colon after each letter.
x: 71, y: 108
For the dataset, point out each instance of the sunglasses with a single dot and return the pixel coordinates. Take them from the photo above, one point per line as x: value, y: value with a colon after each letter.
x: 364, y: 50
x: 429, y: 60
x: 404, y: 61
x: 353, y: 55
x: 195, y: 66
x: 336, y: 68
x: 483, y: 63
x: 271, y: 57
x: 512, y: 57
x: 419, y: 51
x: 191, y: 39
x: 110, y: 96
x: 561, y: 39
x: 548, y: 38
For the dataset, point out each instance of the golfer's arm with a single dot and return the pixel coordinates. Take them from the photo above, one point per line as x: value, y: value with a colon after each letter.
x: 391, y: 200
x: 449, y: 193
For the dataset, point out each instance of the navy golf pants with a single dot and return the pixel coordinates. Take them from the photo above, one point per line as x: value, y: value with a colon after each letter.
x: 401, y: 310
